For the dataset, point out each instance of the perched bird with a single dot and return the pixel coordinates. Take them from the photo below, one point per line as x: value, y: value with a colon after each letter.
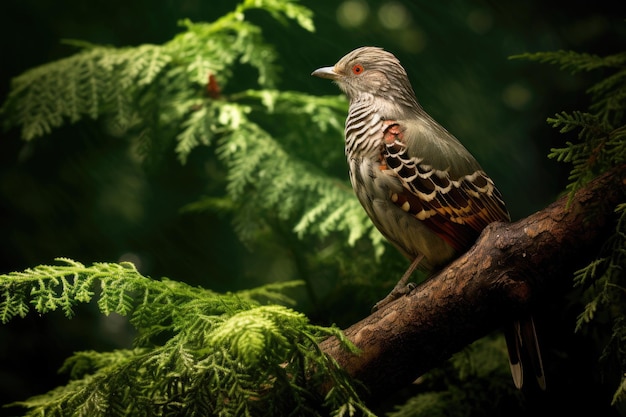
x: 419, y: 185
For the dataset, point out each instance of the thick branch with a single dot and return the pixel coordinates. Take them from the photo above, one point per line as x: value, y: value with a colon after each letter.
x: 510, y: 267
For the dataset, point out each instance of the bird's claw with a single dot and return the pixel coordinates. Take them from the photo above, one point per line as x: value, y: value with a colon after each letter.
x: 397, y: 292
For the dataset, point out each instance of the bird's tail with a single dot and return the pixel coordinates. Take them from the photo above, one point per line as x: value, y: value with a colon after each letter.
x: 524, y: 353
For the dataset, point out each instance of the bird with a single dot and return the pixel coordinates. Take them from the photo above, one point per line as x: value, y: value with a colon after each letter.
x: 421, y: 188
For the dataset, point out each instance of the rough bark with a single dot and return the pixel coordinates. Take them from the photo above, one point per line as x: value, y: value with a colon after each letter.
x: 511, y: 266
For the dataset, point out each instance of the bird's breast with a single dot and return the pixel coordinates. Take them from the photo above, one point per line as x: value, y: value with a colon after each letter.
x: 364, y: 130
x: 374, y: 188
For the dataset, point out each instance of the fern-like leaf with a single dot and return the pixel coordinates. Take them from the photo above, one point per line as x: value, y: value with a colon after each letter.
x: 224, y: 353
x: 575, y: 61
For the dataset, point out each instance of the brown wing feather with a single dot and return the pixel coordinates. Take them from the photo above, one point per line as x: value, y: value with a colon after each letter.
x: 456, y: 209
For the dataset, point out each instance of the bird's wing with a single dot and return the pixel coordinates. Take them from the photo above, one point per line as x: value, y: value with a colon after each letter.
x: 449, y: 191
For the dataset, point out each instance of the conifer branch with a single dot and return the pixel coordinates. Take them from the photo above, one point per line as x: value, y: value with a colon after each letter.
x: 223, y: 354
x: 161, y: 97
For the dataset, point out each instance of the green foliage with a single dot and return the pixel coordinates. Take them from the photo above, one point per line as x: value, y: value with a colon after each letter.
x: 604, y: 287
x: 174, y: 95
x: 102, y: 80
x: 197, y: 352
x: 224, y: 354
x: 599, y: 147
x: 601, y: 141
x: 575, y: 61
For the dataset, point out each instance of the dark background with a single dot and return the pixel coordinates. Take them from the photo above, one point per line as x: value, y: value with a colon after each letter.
x: 75, y: 193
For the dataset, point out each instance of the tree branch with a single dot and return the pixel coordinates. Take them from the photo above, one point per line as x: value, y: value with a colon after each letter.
x: 511, y: 266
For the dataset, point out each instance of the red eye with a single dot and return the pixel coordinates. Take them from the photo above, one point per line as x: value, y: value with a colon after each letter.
x: 357, y: 69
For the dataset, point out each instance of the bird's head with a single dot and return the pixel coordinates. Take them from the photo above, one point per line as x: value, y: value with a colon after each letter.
x: 372, y: 71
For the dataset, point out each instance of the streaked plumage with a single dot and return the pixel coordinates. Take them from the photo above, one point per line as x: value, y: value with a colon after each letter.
x: 422, y: 189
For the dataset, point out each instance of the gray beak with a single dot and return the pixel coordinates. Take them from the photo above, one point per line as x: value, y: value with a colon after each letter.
x: 326, y: 72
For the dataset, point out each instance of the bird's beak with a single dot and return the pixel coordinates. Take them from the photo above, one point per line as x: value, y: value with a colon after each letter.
x: 326, y: 72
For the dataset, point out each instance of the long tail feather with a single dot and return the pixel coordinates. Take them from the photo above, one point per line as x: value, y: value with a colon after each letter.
x: 514, y: 345
x: 530, y: 344
x: 524, y: 354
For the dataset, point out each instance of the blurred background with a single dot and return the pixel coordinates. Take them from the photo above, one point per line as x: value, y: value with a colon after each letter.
x: 76, y: 193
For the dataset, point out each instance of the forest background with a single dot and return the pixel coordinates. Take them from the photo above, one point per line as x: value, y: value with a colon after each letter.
x: 80, y: 193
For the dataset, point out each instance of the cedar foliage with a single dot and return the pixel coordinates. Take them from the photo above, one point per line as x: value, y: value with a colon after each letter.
x: 156, y: 94
x: 223, y: 354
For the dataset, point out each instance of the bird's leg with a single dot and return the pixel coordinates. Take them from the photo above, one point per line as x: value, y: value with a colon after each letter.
x: 401, y: 287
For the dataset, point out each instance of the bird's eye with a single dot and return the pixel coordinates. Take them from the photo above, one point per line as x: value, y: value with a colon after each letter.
x: 357, y: 69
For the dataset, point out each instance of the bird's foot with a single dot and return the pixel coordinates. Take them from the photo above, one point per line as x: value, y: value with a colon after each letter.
x: 401, y: 289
